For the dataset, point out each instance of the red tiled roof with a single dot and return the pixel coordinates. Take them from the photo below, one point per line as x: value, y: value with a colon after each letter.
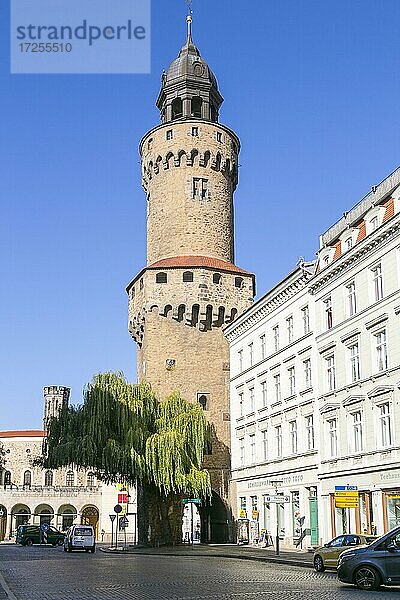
x: 196, y: 261
x: 23, y: 433
x: 362, y: 231
x: 338, y: 250
x: 389, y: 212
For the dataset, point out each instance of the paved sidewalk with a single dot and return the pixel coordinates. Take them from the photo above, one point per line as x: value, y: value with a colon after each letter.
x: 287, y: 557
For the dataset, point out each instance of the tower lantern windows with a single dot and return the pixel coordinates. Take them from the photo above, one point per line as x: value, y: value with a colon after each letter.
x: 188, y: 276
x: 177, y: 108
x: 196, y: 106
x: 161, y: 278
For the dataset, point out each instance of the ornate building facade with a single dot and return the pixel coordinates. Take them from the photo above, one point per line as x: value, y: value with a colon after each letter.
x: 315, y: 384
x: 191, y: 288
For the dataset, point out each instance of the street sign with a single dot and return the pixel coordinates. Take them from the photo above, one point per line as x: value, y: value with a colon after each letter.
x: 277, y: 499
x: 123, y: 522
x: 346, y: 499
x: 191, y: 501
x: 117, y: 508
x: 45, y: 527
x: 242, y: 514
x: 112, y: 518
x: 346, y: 488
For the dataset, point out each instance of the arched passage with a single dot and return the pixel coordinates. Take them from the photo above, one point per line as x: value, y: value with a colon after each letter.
x: 90, y: 516
x: 44, y: 514
x: 215, y: 519
x: 66, y: 516
x: 21, y: 514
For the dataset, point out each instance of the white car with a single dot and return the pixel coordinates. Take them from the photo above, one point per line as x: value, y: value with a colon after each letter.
x: 80, y: 537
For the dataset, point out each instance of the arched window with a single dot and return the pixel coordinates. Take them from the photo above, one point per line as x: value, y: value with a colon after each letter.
x: 48, y: 479
x: 70, y: 479
x: 203, y: 399
x: 238, y: 282
x: 27, y: 479
x: 217, y: 278
x: 188, y: 276
x: 7, y: 478
x: 177, y: 108
x: 91, y: 478
x: 196, y: 105
x: 161, y: 278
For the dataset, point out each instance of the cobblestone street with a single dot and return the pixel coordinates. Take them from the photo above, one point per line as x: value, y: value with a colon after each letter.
x: 50, y: 574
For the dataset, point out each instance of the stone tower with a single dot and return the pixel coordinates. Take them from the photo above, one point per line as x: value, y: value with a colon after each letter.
x: 55, y: 397
x: 190, y: 287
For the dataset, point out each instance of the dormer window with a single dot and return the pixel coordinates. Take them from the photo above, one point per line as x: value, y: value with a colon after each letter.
x: 326, y: 256
x: 161, y: 278
x: 348, y: 244
x: 374, y: 218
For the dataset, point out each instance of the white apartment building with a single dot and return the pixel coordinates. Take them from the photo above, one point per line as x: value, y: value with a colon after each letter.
x: 315, y: 378
x: 274, y: 416
x: 357, y: 333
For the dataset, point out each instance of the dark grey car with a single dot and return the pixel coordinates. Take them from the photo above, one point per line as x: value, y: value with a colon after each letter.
x: 370, y: 566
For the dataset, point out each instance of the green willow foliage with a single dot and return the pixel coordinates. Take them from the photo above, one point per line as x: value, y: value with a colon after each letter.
x: 126, y: 434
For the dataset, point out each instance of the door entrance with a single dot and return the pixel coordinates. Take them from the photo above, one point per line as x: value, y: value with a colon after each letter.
x: 3, y: 522
x: 313, y: 507
x: 90, y: 516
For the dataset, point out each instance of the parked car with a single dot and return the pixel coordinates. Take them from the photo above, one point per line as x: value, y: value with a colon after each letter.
x: 327, y: 556
x: 80, y: 537
x: 370, y: 566
x: 27, y: 535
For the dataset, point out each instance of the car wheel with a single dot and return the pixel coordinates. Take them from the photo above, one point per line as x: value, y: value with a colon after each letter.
x: 92, y: 550
x: 366, y: 578
x: 69, y: 548
x: 29, y: 542
x: 60, y: 542
x: 319, y: 564
x: 65, y: 548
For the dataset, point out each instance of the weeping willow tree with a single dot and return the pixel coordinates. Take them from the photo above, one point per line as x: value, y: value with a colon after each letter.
x: 124, y: 433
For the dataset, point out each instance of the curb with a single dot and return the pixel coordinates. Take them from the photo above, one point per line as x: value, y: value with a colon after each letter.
x: 279, y: 561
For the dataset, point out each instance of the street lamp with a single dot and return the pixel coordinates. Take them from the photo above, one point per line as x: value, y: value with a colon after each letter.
x: 276, y: 483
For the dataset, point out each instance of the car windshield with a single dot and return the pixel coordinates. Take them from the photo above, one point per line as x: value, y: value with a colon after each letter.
x: 83, y: 531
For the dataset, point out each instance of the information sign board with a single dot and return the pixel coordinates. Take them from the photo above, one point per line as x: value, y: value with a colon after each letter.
x: 277, y: 499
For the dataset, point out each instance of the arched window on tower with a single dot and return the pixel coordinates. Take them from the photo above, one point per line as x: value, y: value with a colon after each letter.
x: 70, y: 479
x: 7, y: 478
x: 48, y: 479
x: 196, y: 106
x: 217, y: 278
x: 239, y: 282
x: 203, y: 400
x: 188, y: 276
x: 27, y: 479
x: 177, y: 108
x: 161, y: 278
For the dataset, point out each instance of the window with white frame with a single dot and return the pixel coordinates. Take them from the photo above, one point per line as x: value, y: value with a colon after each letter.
x: 354, y: 355
x: 277, y: 386
x: 293, y: 436
x: 348, y: 243
x: 310, y: 438
x: 263, y: 346
x: 374, y: 224
x: 251, y: 353
x: 305, y: 315
x: 330, y: 373
x: 265, y: 444
x: 307, y: 373
x: 357, y: 431
x: 252, y: 400
x: 241, y: 452
x: 289, y: 327
x: 264, y: 393
x: 385, y: 425
x: 351, y: 300
x: 332, y: 436
x: 292, y: 381
x: 381, y: 350
x: 278, y: 440
x: 240, y: 360
x: 252, y: 444
x: 275, y: 331
x: 328, y: 313
x: 241, y: 404
x: 377, y: 282
x: 70, y: 479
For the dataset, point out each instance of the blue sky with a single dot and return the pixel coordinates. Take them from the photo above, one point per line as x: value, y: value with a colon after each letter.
x: 312, y: 88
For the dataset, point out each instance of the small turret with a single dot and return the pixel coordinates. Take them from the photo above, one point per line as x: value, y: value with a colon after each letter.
x: 55, y: 397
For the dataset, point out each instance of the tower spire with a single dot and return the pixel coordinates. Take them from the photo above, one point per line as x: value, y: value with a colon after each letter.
x: 189, y: 21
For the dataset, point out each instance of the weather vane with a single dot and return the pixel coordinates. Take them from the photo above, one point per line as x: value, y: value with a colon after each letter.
x: 189, y: 3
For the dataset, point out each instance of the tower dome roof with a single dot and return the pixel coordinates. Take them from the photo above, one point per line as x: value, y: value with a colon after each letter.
x: 189, y: 88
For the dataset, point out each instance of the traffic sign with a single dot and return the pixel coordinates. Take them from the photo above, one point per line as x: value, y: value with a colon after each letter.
x: 123, y: 522
x: 112, y: 518
x: 191, y: 501
x: 45, y: 527
x: 117, y: 508
x: 277, y: 499
x: 346, y: 488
